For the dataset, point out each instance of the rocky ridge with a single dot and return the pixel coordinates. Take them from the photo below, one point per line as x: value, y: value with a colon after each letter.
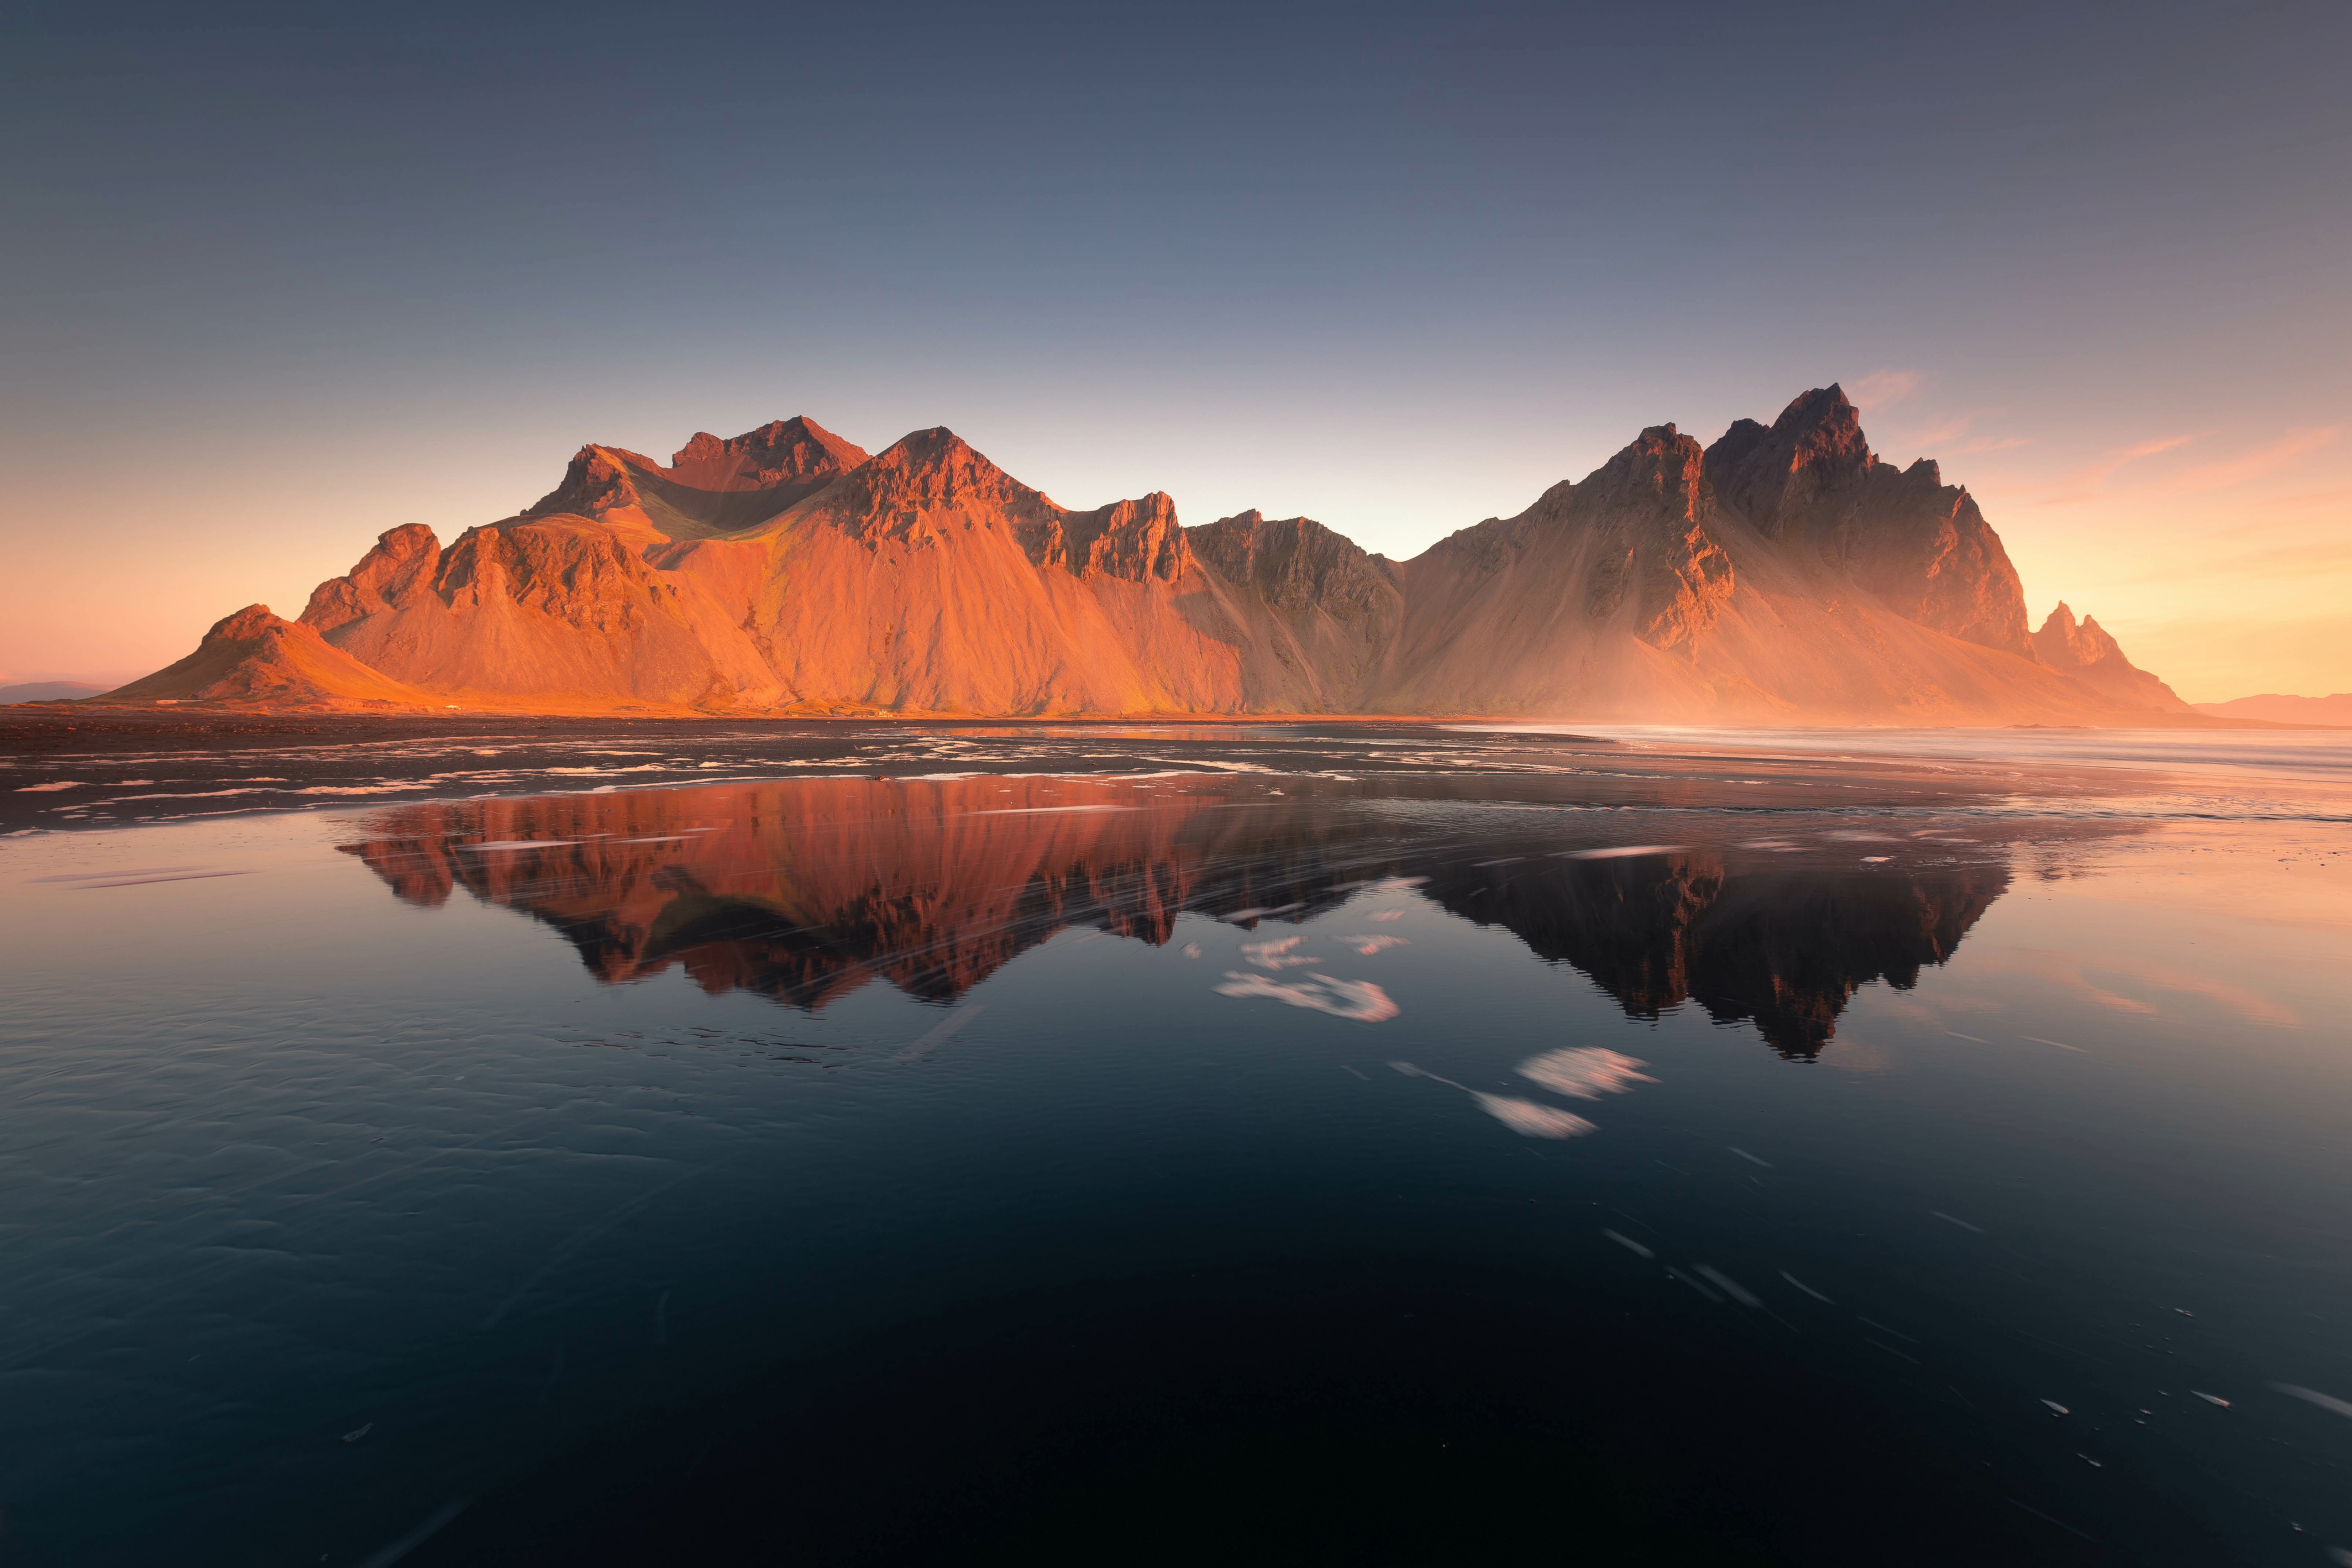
x: 2085, y: 652
x: 1810, y: 483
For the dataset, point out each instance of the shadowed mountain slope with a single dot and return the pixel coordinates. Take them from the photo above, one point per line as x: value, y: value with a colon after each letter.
x: 1833, y: 590
x: 1811, y: 485
x: 1321, y: 609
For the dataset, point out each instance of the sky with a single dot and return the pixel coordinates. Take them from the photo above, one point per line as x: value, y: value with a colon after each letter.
x: 276, y: 281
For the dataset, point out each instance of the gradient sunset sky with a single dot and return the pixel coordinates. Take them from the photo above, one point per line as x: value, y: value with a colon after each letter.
x: 276, y: 282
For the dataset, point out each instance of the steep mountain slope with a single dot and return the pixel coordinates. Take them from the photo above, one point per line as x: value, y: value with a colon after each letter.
x: 1320, y: 609
x: 924, y: 579
x: 1637, y: 594
x: 563, y: 609
x: 2087, y: 653
x: 1783, y: 574
x: 569, y: 603
x: 254, y: 657
x: 929, y: 580
x: 1811, y: 485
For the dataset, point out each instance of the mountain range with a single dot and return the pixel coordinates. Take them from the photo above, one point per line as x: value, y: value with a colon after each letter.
x: 1782, y: 574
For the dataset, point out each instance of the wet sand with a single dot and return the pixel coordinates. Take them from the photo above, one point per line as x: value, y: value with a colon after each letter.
x: 64, y: 773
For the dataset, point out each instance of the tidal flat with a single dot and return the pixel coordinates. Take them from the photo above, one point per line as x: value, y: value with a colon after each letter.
x: 506, y: 1140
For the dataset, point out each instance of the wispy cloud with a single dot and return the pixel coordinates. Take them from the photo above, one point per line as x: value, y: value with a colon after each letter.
x: 2261, y: 460
x: 2325, y: 510
x: 1989, y: 444
x: 2089, y: 482
x: 1944, y: 435
x: 2288, y: 562
x: 2075, y: 971
x: 1882, y: 387
x: 1955, y: 437
x: 2106, y: 468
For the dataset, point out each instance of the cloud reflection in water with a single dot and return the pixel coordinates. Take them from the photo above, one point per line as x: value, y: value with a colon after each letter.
x: 1360, y: 1000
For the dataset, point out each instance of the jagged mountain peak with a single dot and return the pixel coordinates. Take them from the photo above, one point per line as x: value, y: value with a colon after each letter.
x: 1819, y: 411
x: 779, y: 451
x: 936, y: 457
x: 1810, y: 483
x: 2066, y: 643
x: 935, y: 468
x: 1815, y: 445
x: 1254, y: 523
x: 1293, y: 562
x: 1822, y: 430
x: 596, y: 481
x: 932, y: 484
x: 710, y: 486
x: 1134, y: 540
x: 250, y: 622
x: 937, y: 447
x: 1661, y: 466
x: 2086, y: 651
x: 404, y: 558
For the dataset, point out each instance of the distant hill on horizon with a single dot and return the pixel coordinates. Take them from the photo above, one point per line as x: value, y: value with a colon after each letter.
x: 48, y: 690
x: 2274, y: 709
x: 1783, y: 574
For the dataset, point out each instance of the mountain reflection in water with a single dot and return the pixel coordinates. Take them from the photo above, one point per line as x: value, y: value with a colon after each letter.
x: 805, y: 891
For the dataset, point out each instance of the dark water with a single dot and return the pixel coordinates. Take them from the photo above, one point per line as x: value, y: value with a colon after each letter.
x: 1126, y: 1144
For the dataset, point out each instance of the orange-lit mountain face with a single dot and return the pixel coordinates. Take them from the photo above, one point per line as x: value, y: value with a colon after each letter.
x: 1782, y: 574
x: 806, y: 891
x: 255, y: 657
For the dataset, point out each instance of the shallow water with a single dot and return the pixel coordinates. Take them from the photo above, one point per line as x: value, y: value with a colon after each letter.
x: 1128, y: 1143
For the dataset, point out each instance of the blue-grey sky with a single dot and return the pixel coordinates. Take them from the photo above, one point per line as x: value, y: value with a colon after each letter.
x: 276, y: 281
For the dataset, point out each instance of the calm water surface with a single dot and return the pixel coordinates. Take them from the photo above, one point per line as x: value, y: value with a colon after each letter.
x: 1127, y: 1143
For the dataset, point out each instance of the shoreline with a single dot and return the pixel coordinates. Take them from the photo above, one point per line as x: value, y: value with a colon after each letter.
x: 42, y: 728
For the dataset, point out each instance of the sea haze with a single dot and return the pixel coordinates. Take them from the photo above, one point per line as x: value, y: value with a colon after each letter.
x: 512, y: 1140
